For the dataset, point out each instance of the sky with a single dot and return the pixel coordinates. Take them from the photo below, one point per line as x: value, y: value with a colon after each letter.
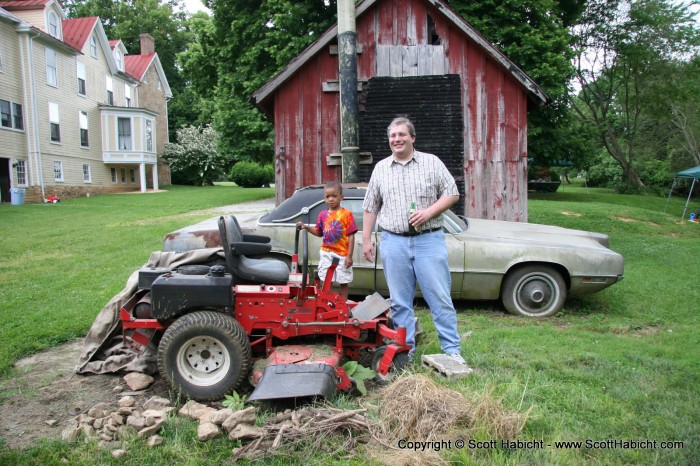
x: 194, y: 6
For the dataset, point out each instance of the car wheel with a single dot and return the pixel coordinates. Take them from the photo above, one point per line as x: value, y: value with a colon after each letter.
x: 533, y: 291
x: 205, y: 355
x: 400, y: 362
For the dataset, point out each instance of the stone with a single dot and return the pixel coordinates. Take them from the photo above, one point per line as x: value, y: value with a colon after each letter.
x: 217, y: 417
x: 137, y: 422
x: 99, y: 410
x: 244, y: 416
x: 138, y: 381
x: 154, y: 440
x: 118, y: 389
x: 207, y: 431
x: 150, y: 430
x: 245, y: 431
x: 51, y: 422
x: 70, y: 434
x: 156, y: 402
x: 127, y: 402
x: 194, y: 410
x: 118, y: 453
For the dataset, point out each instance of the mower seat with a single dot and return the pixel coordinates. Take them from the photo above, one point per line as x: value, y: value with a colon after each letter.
x: 237, y: 248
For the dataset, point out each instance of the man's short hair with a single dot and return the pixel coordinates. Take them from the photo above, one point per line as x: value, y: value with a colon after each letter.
x: 402, y: 120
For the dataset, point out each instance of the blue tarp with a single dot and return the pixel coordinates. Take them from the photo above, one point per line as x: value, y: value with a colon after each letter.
x: 690, y: 173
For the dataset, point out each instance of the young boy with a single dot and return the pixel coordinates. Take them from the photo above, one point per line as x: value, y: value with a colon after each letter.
x: 336, y: 225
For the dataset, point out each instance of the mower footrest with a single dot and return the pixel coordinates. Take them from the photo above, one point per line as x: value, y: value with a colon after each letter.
x: 284, y: 381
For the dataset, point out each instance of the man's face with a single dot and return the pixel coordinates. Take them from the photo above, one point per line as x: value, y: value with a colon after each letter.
x: 401, y: 141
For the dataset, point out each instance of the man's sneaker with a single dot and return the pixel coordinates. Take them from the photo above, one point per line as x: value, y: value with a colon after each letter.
x: 458, y: 357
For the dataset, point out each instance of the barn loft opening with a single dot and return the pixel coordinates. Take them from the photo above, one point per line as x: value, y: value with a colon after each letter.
x: 433, y: 37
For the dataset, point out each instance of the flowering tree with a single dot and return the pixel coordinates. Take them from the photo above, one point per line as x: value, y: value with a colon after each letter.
x: 194, y: 158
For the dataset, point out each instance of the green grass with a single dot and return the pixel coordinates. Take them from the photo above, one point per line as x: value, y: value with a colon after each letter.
x: 621, y: 364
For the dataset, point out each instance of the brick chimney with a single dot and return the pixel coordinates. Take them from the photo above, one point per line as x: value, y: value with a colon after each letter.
x: 147, y: 44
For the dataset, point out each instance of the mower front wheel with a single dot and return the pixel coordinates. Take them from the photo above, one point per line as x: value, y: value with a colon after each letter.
x: 398, y: 364
x: 205, y: 355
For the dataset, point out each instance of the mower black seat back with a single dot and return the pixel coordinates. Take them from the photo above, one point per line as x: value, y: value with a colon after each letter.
x: 239, y: 247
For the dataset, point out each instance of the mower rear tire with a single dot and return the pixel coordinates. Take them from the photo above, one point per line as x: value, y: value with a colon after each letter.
x: 204, y: 355
x: 401, y: 361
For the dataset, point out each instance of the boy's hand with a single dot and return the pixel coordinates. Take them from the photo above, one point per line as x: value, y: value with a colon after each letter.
x: 348, y: 261
x: 300, y: 225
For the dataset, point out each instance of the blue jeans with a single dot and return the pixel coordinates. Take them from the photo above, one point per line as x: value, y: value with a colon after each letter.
x: 422, y: 258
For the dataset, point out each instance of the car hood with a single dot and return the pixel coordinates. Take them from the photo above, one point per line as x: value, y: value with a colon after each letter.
x: 533, y: 233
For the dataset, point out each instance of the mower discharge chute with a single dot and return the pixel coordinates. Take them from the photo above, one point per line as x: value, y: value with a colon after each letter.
x: 255, y: 318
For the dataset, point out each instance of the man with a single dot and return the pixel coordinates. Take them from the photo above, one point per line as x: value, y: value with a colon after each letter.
x: 407, y: 177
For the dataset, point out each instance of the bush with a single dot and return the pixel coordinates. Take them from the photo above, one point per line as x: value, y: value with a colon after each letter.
x: 251, y: 175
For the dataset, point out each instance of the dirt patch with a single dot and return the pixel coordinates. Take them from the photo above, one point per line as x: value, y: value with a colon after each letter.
x: 44, y: 394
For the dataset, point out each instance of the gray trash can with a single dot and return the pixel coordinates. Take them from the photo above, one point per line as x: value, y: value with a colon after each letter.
x: 17, y: 195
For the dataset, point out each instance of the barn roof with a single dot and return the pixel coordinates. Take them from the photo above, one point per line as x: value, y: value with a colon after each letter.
x: 535, y: 92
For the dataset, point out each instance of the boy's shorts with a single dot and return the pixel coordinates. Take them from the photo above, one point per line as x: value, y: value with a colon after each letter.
x: 342, y: 274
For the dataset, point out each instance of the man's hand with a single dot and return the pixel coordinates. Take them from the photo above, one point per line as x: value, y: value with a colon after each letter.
x: 368, y: 251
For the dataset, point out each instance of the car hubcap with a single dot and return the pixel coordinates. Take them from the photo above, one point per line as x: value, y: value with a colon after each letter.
x: 536, y: 293
x: 203, y: 360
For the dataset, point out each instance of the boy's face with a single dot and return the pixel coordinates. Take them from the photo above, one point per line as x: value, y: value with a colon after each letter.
x: 332, y: 197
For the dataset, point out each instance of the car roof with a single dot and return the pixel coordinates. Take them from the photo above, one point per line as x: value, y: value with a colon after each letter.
x: 307, y: 197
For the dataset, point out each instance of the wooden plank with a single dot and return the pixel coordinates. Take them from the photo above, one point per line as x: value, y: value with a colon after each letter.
x: 409, y: 61
x: 383, y: 62
x: 395, y: 62
x: 425, y: 60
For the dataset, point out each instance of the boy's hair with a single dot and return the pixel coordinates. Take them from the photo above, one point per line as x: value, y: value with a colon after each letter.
x: 334, y: 184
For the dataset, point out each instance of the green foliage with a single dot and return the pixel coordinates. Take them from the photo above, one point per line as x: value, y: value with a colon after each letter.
x: 194, y: 158
x: 234, y: 401
x: 359, y: 374
x: 251, y: 175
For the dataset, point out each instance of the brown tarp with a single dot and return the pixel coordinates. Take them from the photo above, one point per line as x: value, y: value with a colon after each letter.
x: 103, y: 349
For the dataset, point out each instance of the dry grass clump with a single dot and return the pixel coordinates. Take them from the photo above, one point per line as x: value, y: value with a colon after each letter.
x: 416, y: 407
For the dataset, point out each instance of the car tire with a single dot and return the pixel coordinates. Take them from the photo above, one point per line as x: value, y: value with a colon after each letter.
x: 401, y: 361
x: 204, y: 355
x: 533, y: 291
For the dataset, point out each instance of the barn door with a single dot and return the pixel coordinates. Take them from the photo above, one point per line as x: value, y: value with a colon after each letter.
x: 432, y: 103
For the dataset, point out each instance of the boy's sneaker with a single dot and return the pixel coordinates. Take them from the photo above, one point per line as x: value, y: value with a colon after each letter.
x: 458, y: 357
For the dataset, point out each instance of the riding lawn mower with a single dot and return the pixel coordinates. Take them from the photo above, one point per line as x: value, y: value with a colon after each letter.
x: 258, y: 318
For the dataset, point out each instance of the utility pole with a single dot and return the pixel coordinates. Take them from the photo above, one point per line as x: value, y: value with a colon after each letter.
x: 347, y: 59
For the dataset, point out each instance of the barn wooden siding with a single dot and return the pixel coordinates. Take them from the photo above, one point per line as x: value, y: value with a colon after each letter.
x: 409, y: 38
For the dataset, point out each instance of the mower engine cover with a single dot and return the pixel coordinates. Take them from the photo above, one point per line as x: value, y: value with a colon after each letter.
x: 172, y: 294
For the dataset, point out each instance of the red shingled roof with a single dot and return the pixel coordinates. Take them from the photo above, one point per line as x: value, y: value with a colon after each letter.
x: 136, y: 65
x: 23, y: 4
x: 76, y: 31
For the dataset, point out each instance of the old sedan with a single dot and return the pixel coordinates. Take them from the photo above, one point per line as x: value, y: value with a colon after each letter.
x: 531, y: 268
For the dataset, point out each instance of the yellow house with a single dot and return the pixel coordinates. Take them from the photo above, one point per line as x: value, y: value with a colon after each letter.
x: 78, y: 115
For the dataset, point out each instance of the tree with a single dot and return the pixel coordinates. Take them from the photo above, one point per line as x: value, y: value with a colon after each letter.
x: 194, y: 158
x: 255, y: 40
x: 619, y: 47
x: 535, y: 34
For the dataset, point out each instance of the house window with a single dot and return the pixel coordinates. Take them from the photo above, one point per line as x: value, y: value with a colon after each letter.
x: 58, y: 171
x: 81, y: 78
x: 114, y: 174
x: 53, y: 25
x: 123, y: 172
x: 5, y: 114
x: 17, y: 118
x: 51, y: 75
x: 93, y: 47
x: 84, y: 141
x: 132, y: 175
x: 149, y: 136
x: 124, y: 133
x: 87, y: 177
x: 11, y: 115
x: 110, y: 91
x: 21, y: 172
x: 55, y: 122
x: 119, y: 59
x: 127, y: 95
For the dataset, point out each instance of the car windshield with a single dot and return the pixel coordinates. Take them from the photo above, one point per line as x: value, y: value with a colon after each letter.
x: 306, y: 203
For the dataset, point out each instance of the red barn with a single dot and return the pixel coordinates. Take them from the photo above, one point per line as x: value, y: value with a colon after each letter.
x: 417, y: 58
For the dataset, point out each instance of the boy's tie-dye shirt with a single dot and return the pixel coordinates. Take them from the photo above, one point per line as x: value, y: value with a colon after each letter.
x: 335, y: 228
